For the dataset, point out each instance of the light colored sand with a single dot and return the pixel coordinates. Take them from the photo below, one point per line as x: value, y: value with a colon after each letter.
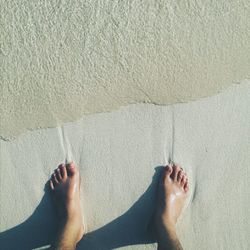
x: 61, y: 60
x: 117, y: 153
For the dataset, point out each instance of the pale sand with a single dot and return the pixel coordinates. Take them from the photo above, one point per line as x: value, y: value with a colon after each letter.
x: 61, y: 60
x: 118, y: 153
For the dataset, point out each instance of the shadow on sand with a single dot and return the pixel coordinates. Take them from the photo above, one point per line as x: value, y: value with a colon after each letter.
x: 132, y: 227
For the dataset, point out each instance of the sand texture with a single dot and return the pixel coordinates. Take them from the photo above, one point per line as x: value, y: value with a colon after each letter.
x: 63, y: 59
x: 120, y: 156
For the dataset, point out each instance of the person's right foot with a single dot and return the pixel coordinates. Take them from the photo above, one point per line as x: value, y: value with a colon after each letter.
x: 172, y: 193
x: 65, y: 188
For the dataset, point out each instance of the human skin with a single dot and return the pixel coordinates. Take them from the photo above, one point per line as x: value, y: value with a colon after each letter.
x: 65, y: 188
x: 171, y: 195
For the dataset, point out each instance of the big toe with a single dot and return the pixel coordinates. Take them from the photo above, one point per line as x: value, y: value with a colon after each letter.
x: 169, y: 170
x: 71, y: 169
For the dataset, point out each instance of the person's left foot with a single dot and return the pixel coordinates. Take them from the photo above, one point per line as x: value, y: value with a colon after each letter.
x: 65, y: 188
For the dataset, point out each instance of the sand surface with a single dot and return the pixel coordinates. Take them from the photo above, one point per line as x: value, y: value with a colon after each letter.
x: 120, y: 154
x: 63, y: 59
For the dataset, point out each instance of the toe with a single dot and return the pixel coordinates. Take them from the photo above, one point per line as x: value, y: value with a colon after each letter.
x: 54, y: 180
x: 183, y: 180
x: 58, y: 174
x: 51, y: 185
x: 71, y: 168
x: 186, y: 186
x: 63, y: 171
x: 168, y: 170
x: 180, y: 175
x: 176, y: 170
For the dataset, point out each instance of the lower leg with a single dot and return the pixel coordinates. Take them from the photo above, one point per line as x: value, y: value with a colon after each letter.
x: 66, y: 239
x: 65, y: 188
x: 167, y: 238
x: 172, y: 192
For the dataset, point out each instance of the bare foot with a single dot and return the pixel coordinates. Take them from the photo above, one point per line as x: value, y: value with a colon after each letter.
x: 172, y: 193
x: 65, y: 188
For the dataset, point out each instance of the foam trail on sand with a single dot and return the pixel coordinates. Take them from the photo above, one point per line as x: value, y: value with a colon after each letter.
x: 170, y: 159
x: 65, y: 145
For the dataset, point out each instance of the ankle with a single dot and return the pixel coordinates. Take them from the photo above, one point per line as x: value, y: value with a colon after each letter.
x: 64, y: 246
x: 165, y: 232
x: 166, y: 225
x: 167, y: 220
